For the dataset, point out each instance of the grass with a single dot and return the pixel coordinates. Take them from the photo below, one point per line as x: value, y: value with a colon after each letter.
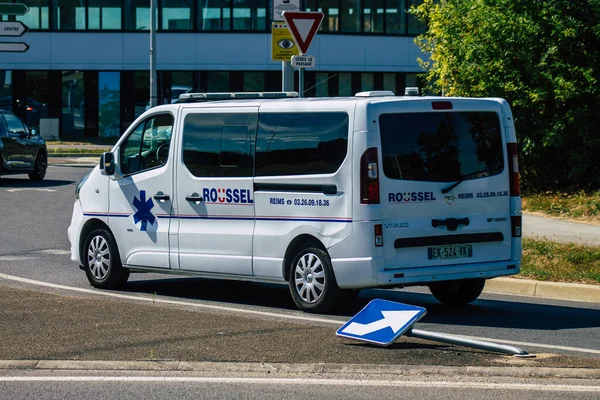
x: 579, y: 206
x: 545, y: 260
x: 75, y: 151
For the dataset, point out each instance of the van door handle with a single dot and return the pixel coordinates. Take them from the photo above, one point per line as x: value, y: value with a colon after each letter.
x: 160, y: 196
x: 194, y: 197
x: 451, y: 223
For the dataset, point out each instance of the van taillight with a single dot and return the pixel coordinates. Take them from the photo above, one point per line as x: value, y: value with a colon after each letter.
x: 515, y: 223
x: 513, y: 169
x: 378, y: 235
x: 369, y: 177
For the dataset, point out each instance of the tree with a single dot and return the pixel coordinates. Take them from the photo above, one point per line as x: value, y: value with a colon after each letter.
x: 540, y: 55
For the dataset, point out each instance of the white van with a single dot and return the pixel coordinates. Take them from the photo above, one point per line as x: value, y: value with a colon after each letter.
x: 329, y: 195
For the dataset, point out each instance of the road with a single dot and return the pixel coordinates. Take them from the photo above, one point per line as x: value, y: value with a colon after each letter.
x: 165, y: 318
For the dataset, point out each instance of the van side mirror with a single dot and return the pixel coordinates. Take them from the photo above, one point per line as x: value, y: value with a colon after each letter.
x: 107, y: 164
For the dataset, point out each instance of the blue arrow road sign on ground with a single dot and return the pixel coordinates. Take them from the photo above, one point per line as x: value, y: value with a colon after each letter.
x: 381, y: 322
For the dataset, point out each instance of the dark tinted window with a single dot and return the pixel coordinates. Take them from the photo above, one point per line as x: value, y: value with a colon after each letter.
x: 301, y: 143
x: 218, y: 144
x: 148, y: 145
x: 441, y: 146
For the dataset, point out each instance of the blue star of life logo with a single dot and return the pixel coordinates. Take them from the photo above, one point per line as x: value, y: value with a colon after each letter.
x: 143, y: 210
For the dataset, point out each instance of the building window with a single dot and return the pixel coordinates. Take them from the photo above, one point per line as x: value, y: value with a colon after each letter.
x: 322, y: 84
x: 254, y: 81
x: 301, y: 143
x: 345, y: 84
x: 351, y: 15
x: 104, y: 14
x: 69, y: 15
x: 373, y: 16
x: 367, y: 82
x: 389, y: 82
x: 36, y: 18
x: 249, y: 15
x: 395, y: 17
x: 332, y: 15
x: 73, y: 104
x: 109, y: 104
x: 137, y: 15
x: 214, y: 15
x: 177, y: 15
x: 415, y: 27
x: 218, y: 81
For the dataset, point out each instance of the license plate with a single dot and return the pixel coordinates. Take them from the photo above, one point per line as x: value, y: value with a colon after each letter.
x: 449, y: 252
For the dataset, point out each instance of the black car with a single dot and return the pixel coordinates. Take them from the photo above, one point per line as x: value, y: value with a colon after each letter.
x: 22, y: 150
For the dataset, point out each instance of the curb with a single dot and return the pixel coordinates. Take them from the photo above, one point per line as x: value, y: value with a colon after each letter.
x: 548, y: 290
x: 281, y: 368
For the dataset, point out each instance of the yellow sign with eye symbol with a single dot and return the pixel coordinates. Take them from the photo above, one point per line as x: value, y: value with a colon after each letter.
x: 282, y: 43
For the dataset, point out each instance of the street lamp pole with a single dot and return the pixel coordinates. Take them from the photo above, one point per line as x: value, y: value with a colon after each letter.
x: 153, y: 101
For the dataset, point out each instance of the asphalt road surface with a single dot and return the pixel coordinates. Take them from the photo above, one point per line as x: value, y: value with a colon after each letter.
x: 34, y: 246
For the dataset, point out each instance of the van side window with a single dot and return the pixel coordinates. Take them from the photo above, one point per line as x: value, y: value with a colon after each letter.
x: 219, y: 144
x: 301, y: 143
x: 148, y: 145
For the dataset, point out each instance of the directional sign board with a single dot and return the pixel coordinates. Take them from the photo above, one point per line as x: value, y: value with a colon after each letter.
x: 381, y: 322
x: 14, y: 29
x: 282, y: 43
x: 303, y: 61
x: 303, y: 26
x: 16, y: 47
x: 13, y: 9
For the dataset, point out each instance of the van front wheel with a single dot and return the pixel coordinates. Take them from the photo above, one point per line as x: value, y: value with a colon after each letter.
x: 312, y: 283
x: 102, y: 261
x: 457, y: 292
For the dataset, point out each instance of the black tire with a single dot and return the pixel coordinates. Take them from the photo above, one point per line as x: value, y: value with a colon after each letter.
x: 102, y: 262
x: 39, y: 169
x: 312, y: 282
x: 458, y: 292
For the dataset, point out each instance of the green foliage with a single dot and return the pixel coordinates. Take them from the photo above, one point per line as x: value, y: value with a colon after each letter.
x: 540, y: 55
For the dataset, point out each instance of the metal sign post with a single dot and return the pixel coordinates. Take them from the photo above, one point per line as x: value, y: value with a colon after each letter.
x: 13, y: 28
x: 153, y: 100
x: 303, y: 26
x: 282, y: 49
x: 381, y: 322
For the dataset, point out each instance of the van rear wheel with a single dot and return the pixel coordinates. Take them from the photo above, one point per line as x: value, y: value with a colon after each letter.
x: 457, y: 292
x: 312, y: 283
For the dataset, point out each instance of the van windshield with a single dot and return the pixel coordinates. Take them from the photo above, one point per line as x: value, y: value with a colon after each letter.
x: 441, y: 146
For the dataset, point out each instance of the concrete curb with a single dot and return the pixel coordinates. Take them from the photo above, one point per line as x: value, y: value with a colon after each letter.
x: 548, y: 290
x: 280, y: 368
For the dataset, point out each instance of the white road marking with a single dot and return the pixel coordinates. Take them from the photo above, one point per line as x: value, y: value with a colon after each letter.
x: 31, y: 189
x: 308, y: 381
x: 56, y: 252
x: 16, y: 258
x: 546, y: 346
x: 261, y: 313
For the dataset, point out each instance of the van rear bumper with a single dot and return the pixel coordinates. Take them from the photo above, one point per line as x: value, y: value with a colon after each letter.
x: 367, y: 272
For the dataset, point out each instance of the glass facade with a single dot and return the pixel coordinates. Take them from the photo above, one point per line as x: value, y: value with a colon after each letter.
x: 386, y: 17
x: 113, y: 99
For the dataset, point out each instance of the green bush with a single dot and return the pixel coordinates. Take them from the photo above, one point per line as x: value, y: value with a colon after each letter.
x: 541, y: 56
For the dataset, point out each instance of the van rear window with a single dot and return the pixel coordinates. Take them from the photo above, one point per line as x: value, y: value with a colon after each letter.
x: 441, y: 146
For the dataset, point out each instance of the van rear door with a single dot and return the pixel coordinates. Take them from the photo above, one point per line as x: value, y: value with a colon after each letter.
x: 444, y: 182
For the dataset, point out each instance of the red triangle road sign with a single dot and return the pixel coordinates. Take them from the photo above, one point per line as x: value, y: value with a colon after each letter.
x: 303, y: 25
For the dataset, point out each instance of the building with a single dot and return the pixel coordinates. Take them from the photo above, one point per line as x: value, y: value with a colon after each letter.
x: 86, y: 72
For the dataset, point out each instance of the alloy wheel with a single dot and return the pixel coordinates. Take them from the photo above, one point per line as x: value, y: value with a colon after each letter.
x: 309, y: 278
x: 98, y: 257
